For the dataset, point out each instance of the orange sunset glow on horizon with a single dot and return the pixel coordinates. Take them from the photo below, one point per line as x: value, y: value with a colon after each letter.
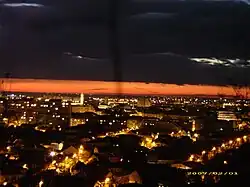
x: 104, y: 87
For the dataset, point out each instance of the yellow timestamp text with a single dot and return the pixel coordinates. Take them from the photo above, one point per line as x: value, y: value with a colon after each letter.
x: 214, y: 173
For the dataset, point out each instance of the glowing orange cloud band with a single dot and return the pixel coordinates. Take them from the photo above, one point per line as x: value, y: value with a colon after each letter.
x: 102, y: 87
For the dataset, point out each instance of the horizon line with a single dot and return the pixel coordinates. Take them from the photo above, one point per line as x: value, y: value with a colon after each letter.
x: 110, y: 87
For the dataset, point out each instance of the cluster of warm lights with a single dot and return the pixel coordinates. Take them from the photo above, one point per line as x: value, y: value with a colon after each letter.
x: 149, y: 142
x: 5, y: 180
x: 182, y: 133
x: 106, y: 182
x: 123, y: 131
x: 178, y: 134
x: 21, y: 120
x: 68, y: 163
x: 242, y: 126
x: 9, y: 154
x: 210, y: 154
x: 195, y: 137
x: 39, y: 129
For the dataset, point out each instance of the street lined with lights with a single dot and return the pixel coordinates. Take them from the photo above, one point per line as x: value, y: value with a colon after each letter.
x: 210, y: 154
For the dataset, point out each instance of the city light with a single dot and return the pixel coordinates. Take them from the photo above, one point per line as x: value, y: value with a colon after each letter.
x: 41, y: 183
x: 52, y: 153
x: 231, y: 144
x: 25, y: 166
x: 107, y: 180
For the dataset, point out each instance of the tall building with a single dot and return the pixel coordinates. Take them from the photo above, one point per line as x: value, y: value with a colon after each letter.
x: 82, y: 99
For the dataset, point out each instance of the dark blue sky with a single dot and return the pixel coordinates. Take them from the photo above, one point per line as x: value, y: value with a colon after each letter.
x: 157, y: 40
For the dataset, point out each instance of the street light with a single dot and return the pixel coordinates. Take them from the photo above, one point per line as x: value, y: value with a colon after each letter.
x: 41, y: 183
x: 52, y: 153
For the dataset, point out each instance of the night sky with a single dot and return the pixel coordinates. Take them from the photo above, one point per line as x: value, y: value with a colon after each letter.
x: 157, y: 40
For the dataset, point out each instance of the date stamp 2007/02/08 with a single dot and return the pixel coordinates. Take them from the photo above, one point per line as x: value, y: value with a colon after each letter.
x: 213, y: 173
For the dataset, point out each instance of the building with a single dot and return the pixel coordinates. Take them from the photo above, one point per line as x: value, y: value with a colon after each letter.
x: 82, y: 99
x: 78, y: 100
x: 82, y: 109
x: 226, y: 116
x: 103, y: 106
x: 112, y: 179
x: 82, y: 118
x: 143, y: 102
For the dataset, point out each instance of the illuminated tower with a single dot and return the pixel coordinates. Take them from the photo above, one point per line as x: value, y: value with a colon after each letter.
x: 82, y: 99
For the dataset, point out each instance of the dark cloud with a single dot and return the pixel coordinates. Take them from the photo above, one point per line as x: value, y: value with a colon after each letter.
x: 180, y: 70
x: 197, y: 29
x: 165, y: 34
